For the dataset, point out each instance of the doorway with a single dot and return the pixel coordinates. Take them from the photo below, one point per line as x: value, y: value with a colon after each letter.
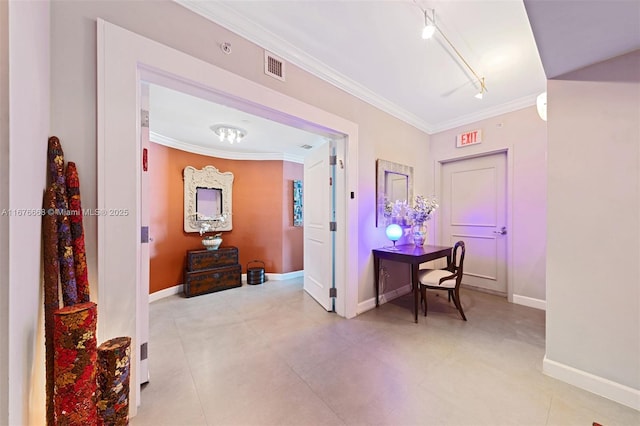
x: 124, y: 60
x: 474, y: 210
x: 181, y: 123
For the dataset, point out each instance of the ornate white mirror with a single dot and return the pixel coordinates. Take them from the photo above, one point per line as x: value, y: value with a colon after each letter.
x: 207, y: 196
x: 394, y: 183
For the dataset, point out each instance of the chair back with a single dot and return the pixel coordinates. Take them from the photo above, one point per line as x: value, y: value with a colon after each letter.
x: 457, y: 261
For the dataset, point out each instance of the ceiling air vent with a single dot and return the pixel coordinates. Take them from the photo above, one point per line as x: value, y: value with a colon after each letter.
x: 273, y: 66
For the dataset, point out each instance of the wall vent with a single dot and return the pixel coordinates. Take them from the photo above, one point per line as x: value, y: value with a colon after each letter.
x: 274, y: 66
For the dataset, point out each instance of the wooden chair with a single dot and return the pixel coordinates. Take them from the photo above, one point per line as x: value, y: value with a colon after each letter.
x: 448, y: 279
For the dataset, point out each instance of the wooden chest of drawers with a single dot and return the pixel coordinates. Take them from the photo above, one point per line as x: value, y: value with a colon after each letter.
x: 211, y: 270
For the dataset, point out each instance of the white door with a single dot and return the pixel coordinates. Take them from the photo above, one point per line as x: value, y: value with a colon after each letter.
x: 317, y: 213
x: 473, y: 209
x: 143, y: 282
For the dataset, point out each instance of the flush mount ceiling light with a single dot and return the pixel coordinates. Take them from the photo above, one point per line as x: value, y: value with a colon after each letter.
x: 228, y: 133
x: 429, y: 31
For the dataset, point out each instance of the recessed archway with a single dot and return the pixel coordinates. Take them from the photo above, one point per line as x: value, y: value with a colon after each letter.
x: 125, y: 59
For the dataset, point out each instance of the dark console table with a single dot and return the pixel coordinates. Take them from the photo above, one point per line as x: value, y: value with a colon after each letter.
x: 211, y: 270
x: 413, y: 255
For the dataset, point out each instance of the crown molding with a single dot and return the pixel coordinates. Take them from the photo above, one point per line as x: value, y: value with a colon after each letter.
x: 218, y: 153
x: 505, y: 108
x: 228, y: 18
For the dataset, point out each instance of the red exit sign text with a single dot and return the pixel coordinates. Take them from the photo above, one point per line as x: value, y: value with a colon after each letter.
x: 469, y: 138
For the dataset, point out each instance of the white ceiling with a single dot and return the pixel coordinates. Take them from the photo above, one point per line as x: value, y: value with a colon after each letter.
x: 184, y: 121
x: 571, y: 35
x: 373, y: 50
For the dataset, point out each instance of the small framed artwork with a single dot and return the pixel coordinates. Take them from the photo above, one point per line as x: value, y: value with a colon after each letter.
x: 297, y: 203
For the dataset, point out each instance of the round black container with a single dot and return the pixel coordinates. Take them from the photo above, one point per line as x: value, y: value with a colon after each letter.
x: 255, y: 274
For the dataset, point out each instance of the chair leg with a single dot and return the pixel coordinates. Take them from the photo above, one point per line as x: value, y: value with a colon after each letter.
x: 423, y: 293
x: 456, y: 300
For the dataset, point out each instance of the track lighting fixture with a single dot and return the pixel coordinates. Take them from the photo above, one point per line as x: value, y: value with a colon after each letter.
x: 429, y: 31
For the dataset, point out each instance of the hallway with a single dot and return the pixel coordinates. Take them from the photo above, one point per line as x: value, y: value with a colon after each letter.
x: 269, y: 355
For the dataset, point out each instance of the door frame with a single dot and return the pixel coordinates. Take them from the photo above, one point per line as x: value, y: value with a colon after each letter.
x: 437, y: 171
x: 124, y: 60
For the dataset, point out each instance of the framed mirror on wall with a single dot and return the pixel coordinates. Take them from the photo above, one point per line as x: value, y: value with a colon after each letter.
x: 394, y: 182
x: 208, y: 194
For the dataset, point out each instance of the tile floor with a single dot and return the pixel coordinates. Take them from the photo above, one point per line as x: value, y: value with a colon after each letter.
x: 269, y: 355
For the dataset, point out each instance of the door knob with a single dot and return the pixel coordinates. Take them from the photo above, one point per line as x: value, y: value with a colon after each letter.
x: 502, y: 231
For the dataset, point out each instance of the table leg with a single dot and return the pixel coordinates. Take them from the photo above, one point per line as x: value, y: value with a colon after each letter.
x: 414, y: 281
x: 376, y: 278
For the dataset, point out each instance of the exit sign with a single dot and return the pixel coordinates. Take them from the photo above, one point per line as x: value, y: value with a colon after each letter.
x: 469, y: 138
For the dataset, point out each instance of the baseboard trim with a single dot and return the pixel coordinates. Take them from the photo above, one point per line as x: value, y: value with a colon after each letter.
x: 483, y: 290
x: 161, y: 294
x: 369, y: 304
x: 606, y: 388
x: 530, y: 302
x: 178, y: 289
x: 281, y: 277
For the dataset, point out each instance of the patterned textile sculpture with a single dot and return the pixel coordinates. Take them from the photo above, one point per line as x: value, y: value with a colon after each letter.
x: 51, y: 302
x: 73, y: 369
x: 65, y: 248
x: 75, y: 360
x: 77, y: 233
x: 113, y: 381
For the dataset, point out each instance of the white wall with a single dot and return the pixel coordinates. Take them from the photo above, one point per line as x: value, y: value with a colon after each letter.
x: 73, y: 101
x: 29, y: 130
x: 4, y: 202
x: 593, y: 249
x: 523, y: 133
x: 73, y: 110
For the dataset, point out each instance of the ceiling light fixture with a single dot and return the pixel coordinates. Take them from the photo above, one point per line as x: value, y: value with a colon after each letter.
x: 430, y: 29
x: 480, y: 94
x: 541, y: 104
x: 228, y: 133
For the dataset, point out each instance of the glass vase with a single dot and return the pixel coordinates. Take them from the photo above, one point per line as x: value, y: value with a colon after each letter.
x: 419, y: 233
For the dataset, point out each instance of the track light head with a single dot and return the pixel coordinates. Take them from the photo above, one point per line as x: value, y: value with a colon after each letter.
x: 428, y: 31
x: 483, y: 88
x: 429, y: 27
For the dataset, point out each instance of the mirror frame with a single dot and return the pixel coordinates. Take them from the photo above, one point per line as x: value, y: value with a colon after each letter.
x: 383, y: 167
x: 208, y: 177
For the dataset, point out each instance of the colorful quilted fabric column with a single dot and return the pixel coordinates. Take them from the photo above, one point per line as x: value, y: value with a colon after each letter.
x: 65, y: 248
x: 77, y: 232
x: 113, y: 381
x: 51, y: 300
x: 75, y: 360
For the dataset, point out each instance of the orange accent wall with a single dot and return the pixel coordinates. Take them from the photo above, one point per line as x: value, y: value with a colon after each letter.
x: 262, y: 214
